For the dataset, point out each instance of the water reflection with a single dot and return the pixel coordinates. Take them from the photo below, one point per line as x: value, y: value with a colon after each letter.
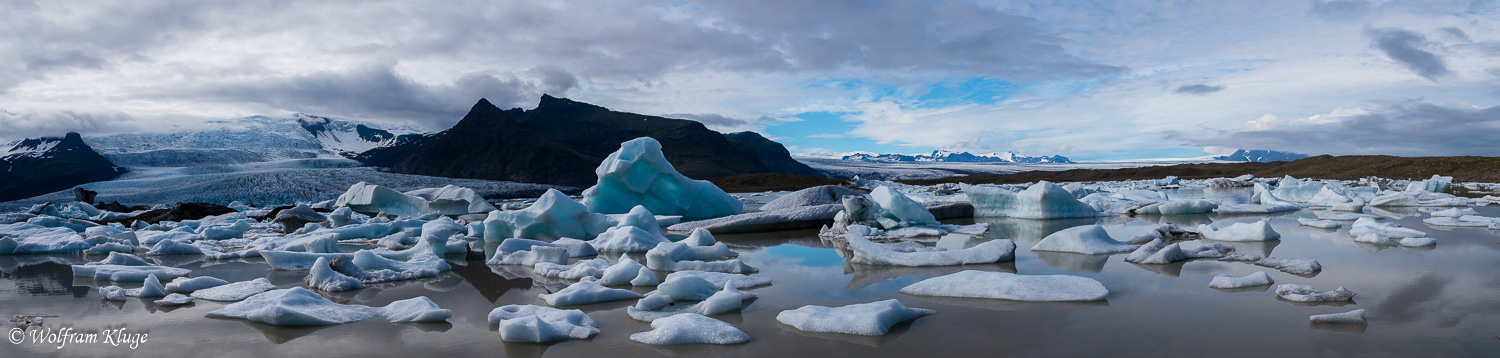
x: 1073, y: 261
x: 865, y: 275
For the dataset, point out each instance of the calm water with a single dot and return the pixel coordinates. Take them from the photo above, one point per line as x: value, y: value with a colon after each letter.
x: 1434, y: 302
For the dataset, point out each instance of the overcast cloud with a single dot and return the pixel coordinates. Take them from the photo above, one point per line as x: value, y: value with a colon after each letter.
x: 1112, y: 80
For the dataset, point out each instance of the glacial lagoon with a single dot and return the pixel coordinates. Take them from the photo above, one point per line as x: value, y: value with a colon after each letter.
x: 1440, y: 301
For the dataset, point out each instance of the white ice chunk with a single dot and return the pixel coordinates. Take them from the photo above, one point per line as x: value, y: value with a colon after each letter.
x: 1087, y: 239
x: 1178, y: 207
x: 592, y: 268
x: 720, y: 280
x: 175, y: 299
x: 1042, y: 200
x: 150, y: 288
x: 1256, y: 231
x: 871, y: 253
x: 112, y: 293
x: 1009, y: 286
x: 1259, y: 278
x: 1351, y: 317
x: 537, y: 254
x: 626, y: 239
x: 301, y: 307
x: 188, y: 285
x: 814, y: 196
x: 1305, y: 293
x: 699, y: 237
x: 1295, y: 266
x: 553, y: 216
x: 323, y: 277
x: 127, y: 273
x: 625, y: 272
x: 1417, y: 242
x: 867, y: 319
x: 541, y: 324
x: 1321, y: 224
x: 690, y: 328
x: 586, y: 292
x: 638, y: 174
x: 235, y: 291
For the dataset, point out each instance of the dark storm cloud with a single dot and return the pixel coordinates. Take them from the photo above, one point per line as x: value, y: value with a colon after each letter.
x: 1410, y: 50
x: 1198, y: 89
x: 27, y: 124
x: 1408, y: 129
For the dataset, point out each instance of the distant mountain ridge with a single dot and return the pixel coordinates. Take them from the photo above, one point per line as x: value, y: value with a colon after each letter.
x: 36, y: 166
x: 249, y: 140
x: 1261, y: 156
x: 562, y: 141
x: 959, y: 157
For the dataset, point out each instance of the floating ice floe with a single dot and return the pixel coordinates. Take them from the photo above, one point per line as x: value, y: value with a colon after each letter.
x: 1259, y: 278
x: 1262, y: 202
x: 628, y: 272
x: 188, y: 285
x: 537, y: 254
x: 866, y: 319
x: 1178, y: 207
x: 1087, y: 239
x: 1165, y: 232
x: 638, y: 174
x: 690, y: 328
x: 1305, y: 293
x: 126, y: 267
x: 1255, y: 231
x: 174, y: 247
x: 150, y: 288
x: 175, y: 299
x: 1409, y: 199
x: 322, y: 276
x: 1156, y: 252
x: 235, y: 291
x: 592, y: 268
x: 1042, y: 200
x: 112, y: 293
x: 864, y: 251
x: 894, y: 215
x: 720, y: 279
x: 1351, y: 317
x: 688, y: 288
x: 1321, y: 224
x: 575, y: 247
x: 814, y: 196
x: 300, y: 307
x: 1009, y: 286
x: 553, y: 216
x: 586, y: 292
x: 24, y: 238
x: 451, y: 194
x: 626, y: 239
x: 1368, y: 230
x: 541, y: 324
x: 1298, y: 266
x: 772, y: 220
x: 1464, y: 221
x: 679, y: 256
x: 1436, y: 184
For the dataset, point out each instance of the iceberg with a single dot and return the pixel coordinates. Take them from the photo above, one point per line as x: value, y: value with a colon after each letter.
x: 175, y: 299
x: 368, y: 198
x: 540, y: 324
x: 1351, y: 317
x: 586, y: 292
x: 235, y: 291
x: 188, y: 285
x: 675, y: 256
x: 895, y: 213
x: 322, y: 276
x: 728, y: 299
x: 1368, y: 226
x: 1259, y: 278
x: 174, y: 247
x: 1436, y: 184
x: 301, y: 307
x: 1042, y: 200
x: 627, y: 239
x: 452, y: 194
x: 1305, y: 293
x: 1156, y: 252
x: 297, y: 217
x: 150, y: 288
x: 24, y: 238
x: 576, y: 271
x: 553, y: 216
x: 1009, y: 286
x: 866, y: 319
x: 1321, y: 224
x: 814, y: 196
x: 575, y: 247
x: 689, y: 328
x: 1293, y: 266
x: 627, y: 272
x: 721, y: 280
x: 869, y: 252
x: 1178, y: 207
x: 112, y: 293
x: 537, y: 254
x: 1165, y: 232
x: 1087, y: 239
x: 638, y: 174
x: 1256, y: 231
x: 126, y: 273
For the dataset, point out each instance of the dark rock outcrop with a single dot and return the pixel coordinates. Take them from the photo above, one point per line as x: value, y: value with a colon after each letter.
x: 43, y: 165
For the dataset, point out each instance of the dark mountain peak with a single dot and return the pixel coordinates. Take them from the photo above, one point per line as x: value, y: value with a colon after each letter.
x: 38, y: 166
x: 483, y: 104
x: 73, y: 136
x: 554, y: 103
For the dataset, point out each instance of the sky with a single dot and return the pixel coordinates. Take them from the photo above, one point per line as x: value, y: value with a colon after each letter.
x: 1090, y: 80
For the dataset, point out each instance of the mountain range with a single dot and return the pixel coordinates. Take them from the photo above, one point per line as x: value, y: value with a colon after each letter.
x: 562, y: 141
x: 1261, y: 156
x: 946, y: 156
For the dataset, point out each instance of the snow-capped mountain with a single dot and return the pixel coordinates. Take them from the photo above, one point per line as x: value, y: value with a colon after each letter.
x: 955, y: 157
x: 1261, y: 156
x: 41, y: 165
x: 248, y: 140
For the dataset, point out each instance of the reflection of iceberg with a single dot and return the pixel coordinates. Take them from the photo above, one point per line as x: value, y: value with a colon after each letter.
x: 1395, y: 212
x: 1172, y: 269
x: 871, y: 341
x: 1073, y: 262
x: 865, y: 275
